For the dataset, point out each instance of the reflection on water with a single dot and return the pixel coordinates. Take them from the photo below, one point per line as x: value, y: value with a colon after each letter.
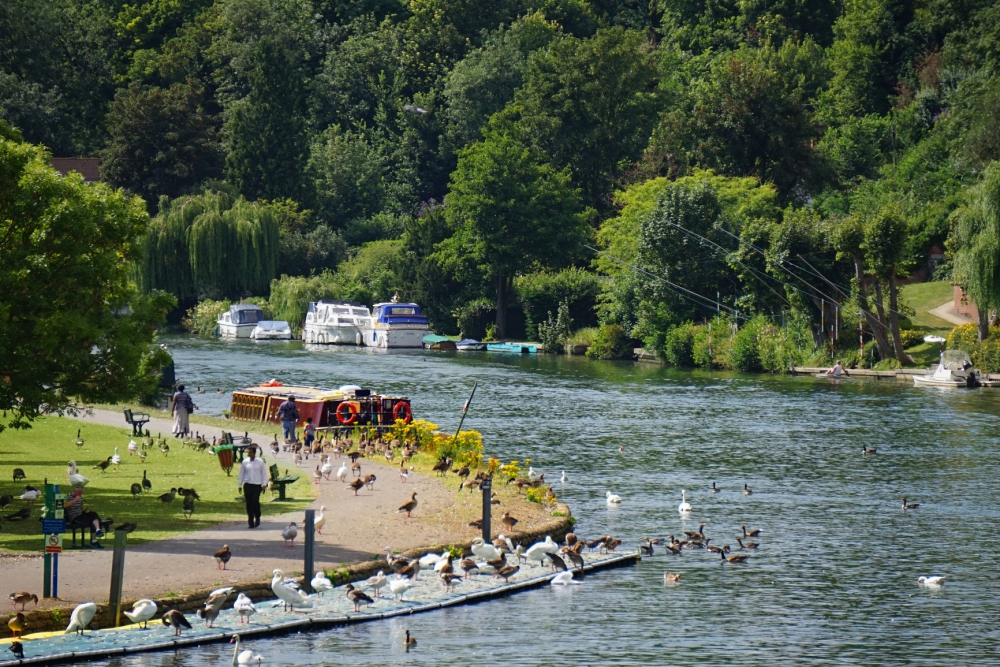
x: 833, y: 582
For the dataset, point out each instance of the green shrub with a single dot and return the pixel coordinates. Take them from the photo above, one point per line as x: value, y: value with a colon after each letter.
x: 986, y: 356
x: 583, y: 336
x: 713, y: 343
x: 545, y: 291
x: 611, y: 342
x: 202, y: 319
x: 554, y: 333
x: 474, y: 317
x: 745, y: 355
x: 290, y: 296
x: 910, y: 338
x: 678, y: 345
x: 964, y: 337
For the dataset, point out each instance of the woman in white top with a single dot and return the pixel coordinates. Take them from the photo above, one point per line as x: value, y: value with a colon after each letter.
x: 180, y: 409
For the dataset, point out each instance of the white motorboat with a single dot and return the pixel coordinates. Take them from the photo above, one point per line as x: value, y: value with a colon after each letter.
x: 954, y: 370
x: 396, y: 325
x: 336, y: 322
x: 239, y: 321
x: 271, y: 330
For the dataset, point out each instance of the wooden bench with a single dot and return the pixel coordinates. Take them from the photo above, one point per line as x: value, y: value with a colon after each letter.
x: 83, y: 527
x: 278, y: 482
x: 137, y: 420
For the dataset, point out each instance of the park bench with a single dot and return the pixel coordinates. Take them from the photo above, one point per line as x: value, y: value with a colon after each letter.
x: 278, y: 482
x: 137, y: 420
x: 84, y: 526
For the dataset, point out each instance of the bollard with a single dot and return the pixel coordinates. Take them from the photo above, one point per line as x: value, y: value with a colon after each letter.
x: 487, y: 487
x: 307, y: 569
x: 117, y: 578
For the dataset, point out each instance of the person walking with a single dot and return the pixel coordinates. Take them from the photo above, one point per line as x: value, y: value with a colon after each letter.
x: 288, y: 413
x: 181, y: 408
x: 253, y: 480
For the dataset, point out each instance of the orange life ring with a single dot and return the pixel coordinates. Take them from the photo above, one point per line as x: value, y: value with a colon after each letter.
x: 348, y: 416
x: 402, y: 409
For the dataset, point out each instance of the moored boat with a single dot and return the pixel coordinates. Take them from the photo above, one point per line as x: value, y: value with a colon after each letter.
x: 470, y: 345
x: 954, y: 370
x: 271, y: 330
x: 396, y: 325
x: 336, y: 322
x: 239, y: 321
x: 436, y: 342
x: 513, y: 348
x: 348, y: 406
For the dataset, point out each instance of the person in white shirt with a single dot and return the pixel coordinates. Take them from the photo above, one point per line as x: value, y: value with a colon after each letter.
x: 837, y: 370
x: 253, y: 479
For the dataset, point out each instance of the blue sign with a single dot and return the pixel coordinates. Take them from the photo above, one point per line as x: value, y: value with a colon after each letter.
x: 53, y: 526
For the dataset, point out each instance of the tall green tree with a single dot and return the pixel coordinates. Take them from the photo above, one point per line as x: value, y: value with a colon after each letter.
x: 72, y: 324
x: 512, y: 212
x: 975, y: 244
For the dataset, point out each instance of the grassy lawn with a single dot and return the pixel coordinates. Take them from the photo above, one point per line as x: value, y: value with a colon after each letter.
x: 44, y: 451
x: 922, y: 297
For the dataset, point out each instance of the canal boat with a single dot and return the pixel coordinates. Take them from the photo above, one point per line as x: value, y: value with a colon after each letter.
x: 954, y: 370
x: 436, y: 342
x: 239, y: 321
x: 346, y: 407
x: 336, y: 322
x: 271, y: 330
x: 470, y: 345
x: 396, y: 325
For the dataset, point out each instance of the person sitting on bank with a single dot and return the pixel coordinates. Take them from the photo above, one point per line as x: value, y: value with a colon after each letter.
x: 77, y: 515
x: 837, y: 370
x: 253, y: 479
x: 288, y: 413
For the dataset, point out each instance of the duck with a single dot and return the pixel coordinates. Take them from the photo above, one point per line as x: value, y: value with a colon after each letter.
x: 377, y: 583
x: 142, y: 611
x: 146, y: 484
x: 398, y: 586
x: 748, y: 545
x: 685, y: 506
x: 485, y: 551
x: 287, y: 592
x: 409, y: 641
x: 16, y: 624
x: 103, y: 465
x: 933, y: 581
x: 289, y: 534
x: 747, y: 491
x: 865, y: 450
x: 244, y: 607
x: 671, y: 578
x: 115, y: 459
x: 23, y: 598
x: 17, y: 648
x: 176, y: 620
x: 909, y: 506
x: 409, y: 505
x: 214, y: 604
x: 612, y: 499
x: 244, y: 657
x: 222, y: 557
x: 563, y: 579
x: 342, y: 472
x: 714, y: 488
x: 321, y: 584
x: 358, y: 597
x: 320, y: 520
x: 356, y: 485
x: 81, y: 617
x: 168, y: 498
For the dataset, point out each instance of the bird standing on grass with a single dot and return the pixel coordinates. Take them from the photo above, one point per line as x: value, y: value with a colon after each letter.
x: 103, y: 465
x: 188, y: 508
x: 146, y: 484
x: 168, y: 498
x: 136, y: 490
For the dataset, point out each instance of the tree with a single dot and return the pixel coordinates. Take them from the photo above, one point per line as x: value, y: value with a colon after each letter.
x: 975, y: 244
x: 162, y: 141
x: 511, y: 212
x: 72, y: 325
x: 348, y: 177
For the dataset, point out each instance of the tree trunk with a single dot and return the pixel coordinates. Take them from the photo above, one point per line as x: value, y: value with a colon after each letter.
x: 503, y: 288
x: 984, y: 322
x: 883, y: 321
x: 877, y: 327
x: 897, y: 339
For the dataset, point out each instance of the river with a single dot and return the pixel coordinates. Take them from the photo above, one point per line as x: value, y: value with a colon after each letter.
x: 833, y: 582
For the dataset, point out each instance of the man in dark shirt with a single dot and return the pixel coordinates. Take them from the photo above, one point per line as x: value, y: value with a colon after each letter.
x: 288, y: 413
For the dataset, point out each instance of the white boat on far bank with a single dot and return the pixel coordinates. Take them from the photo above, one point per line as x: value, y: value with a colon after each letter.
x: 335, y: 322
x: 396, y: 325
x: 239, y: 321
x: 271, y: 330
x: 954, y: 370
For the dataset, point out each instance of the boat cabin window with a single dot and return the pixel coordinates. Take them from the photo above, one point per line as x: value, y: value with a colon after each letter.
x: 249, y: 316
x: 403, y: 311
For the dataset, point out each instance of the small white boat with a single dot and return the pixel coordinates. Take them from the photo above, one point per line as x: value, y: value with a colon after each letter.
x: 239, y: 321
x: 334, y: 322
x: 395, y: 325
x: 470, y: 345
x: 954, y: 370
x: 271, y: 330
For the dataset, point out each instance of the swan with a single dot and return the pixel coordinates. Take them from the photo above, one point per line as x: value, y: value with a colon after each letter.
x: 563, y: 579
x: 243, y: 657
x: 564, y: 478
x: 485, y: 551
x: 428, y: 561
x: 320, y: 520
x: 342, y: 471
x: 321, y: 584
x: 934, y: 581
x: 537, y: 551
x: 612, y: 498
x: 685, y: 506
x: 142, y: 611
x: 75, y: 478
x: 81, y: 617
x: 244, y: 606
x: 376, y: 583
x: 288, y: 595
x: 399, y: 586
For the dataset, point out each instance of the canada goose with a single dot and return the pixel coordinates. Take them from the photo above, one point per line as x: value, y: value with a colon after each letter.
x: 289, y: 534
x: 369, y: 481
x: 748, y: 545
x: 735, y: 558
x: 646, y: 549
x: 168, y: 498
x: 79, y: 440
x: 103, y: 465
x: 462, y: 472
x: 136, y: 490
x: 910, y: 506
x: 142, y: 611
x: 188, y: 508
x: 146, y: 484
x: 441, y: 467
x: 16, y: 624
x: 747, y: 491
x: 222, y: 557
x: 409, y: 506
x: 165, y: 449
x: 358, y: 597
x: 714, y: 489
x: 750, y: 533
x: 142, y: 456
x: 409, y: 641
x: 175, y: 619
x: 865, y: 450
x: 19, y: 474
x: 23, y: 598
x: 671, y: 578
x: 20, y: 515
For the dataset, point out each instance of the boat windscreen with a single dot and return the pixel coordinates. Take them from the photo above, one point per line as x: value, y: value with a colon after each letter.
x: 272, y: 325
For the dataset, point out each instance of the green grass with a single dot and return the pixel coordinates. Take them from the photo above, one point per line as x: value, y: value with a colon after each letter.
x: 44, y: 451
x: 923, y: 297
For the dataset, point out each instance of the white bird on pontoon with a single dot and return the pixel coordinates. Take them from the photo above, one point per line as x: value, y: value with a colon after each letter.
x: 485, y: 551
x: 537, y: 551
x: 934, y: 581
x: 428, y: 561
x: 563, y: 579
x: 245, y: 657
x: 342, y: 471
x: 321, y: 584
x: 612, y: 498
x: 133, y: 447
x: 287, y: 593
x: 116, y: 460
x: 75, y: 478
x: 399, y: 586
x: 244, y: 607
x: 142, y: 611
x: 376, y: 583
x: 81, y: 617
x: 685, y: 506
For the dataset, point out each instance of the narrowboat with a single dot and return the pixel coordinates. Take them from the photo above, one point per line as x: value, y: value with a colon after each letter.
x: 239, y: 321
x: 435, y: 342
x: 347, y: 406
x: 271, y: 330
x: 396, y: 325
x: 335, y: 322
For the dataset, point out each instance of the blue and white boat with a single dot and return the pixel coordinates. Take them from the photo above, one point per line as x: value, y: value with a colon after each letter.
x: 396, y: 325
x: 239, y: 321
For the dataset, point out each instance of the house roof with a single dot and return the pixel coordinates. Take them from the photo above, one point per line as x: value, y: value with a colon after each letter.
x: 88, y: 167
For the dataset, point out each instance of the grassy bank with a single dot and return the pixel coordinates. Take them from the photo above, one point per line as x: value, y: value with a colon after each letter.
x: 44, y: 451
x: 923, y: 297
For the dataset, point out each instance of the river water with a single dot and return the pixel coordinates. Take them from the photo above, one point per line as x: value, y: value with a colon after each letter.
x: 834, y: 579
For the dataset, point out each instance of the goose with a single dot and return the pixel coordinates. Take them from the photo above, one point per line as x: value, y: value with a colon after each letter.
x: 910, y: 506
x: 126, y: 528
x: 409, y: 505
x: 146, y: 484
x: 16, y: 624
x: 321, y: 584
x: 564, y: 478
x: 399, y: 586
x: 508, y: 521
x: 485, y: 551
x: 563, y: 579
x: 115, y: 459
x: 507, y: 572
x: 142, y: 456
x: 612, y: 499
x: 142, y: 611
x: 23, y: 598
x: 531, y: 473
x: 449, y: 579
x: 358, y: 597
x: 444, y: 565
x: 865, y: 450
x: 377, y: 583
x: 214, y: 604
x: 748, y: 545
x: 696, y: 535
x: 411, y: 570
x: 17, y: 648
x: 747, y: 491
x: 222, y: 556
x: 932, y: 581
x: 133, y: 447
x: 103, y: 465
x: 342, y: 472
x: 245, y: 657
x: 81, y: 617
x: 557, y: 562
x: 714, y: 488
x: 164, y: 448
x: 289, y: 596
x: 177, y: 620
x: 289, y: 534
x: 403, y: 473
x: 468, y: 566
x: 188, y: 507
x: 136, y: 490
x: 326, y: 470
x: 369, y: 481
x: 320, y: 520
x: 685, y: 506
x: 356, y: 485
x: 79, y: 440
x: 317, y: 475
x: 735, y: 558
x: 409, y: 641
x: 244, y: 607
x: 671, y: 578
x: 168, y: 498
x: 646, y: 549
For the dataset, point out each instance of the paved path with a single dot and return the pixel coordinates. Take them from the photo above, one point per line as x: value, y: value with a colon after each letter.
x: 356, y: 529
x: 946, y: 311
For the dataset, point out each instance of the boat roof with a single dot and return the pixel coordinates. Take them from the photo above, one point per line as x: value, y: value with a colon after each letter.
x: 244, y: 306
x: 272, y: 324
x: 434, y: 338
x: 335, y: 302
x: 301, y: 393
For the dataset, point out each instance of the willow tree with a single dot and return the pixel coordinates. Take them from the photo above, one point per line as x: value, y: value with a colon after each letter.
x: 213, y: 244
x: 975, y: 244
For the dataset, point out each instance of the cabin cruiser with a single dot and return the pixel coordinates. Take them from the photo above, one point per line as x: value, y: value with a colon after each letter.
x: 395, y: 325
x: 954, y: 370
x: 271, y: 330
x: 336, y: 322
x: 239, y: 321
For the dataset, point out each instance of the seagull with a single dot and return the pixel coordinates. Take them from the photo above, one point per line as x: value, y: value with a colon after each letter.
x: 81, y: 617
x: 289, y: 534
x: 142, y: 611
x: 414, y: 111
x: 934, y: 581
x: 613, y: 499
x: 685, y: 506
x: 244, y: 606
